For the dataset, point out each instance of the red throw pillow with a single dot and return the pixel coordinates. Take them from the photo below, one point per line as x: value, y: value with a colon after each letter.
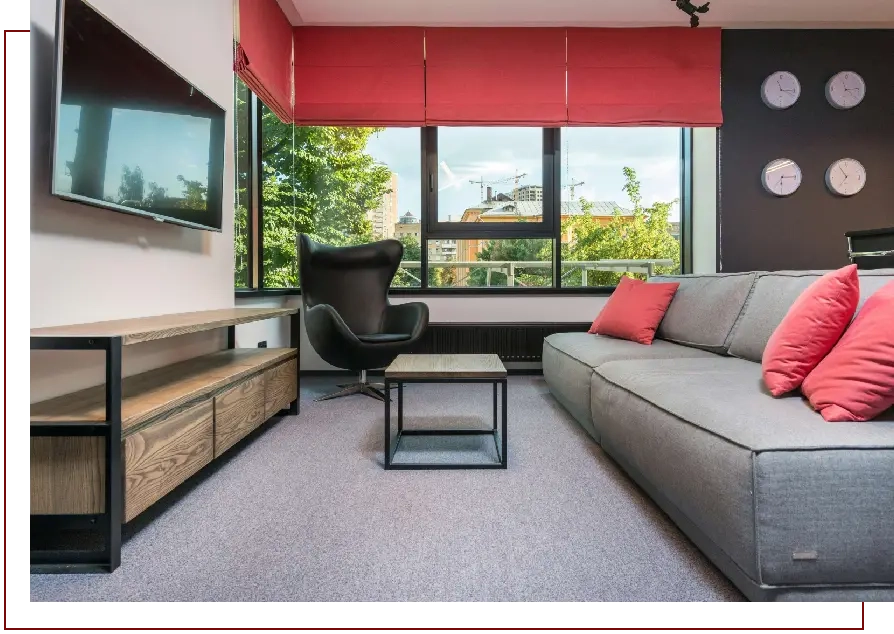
x: 855, y: 382
x: 625, y: 283
x: 810, y: 329
x: 634, y: 310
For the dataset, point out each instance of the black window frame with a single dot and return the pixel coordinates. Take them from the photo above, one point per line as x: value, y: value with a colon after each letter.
x: 436, y: 228
x: 433, y: 229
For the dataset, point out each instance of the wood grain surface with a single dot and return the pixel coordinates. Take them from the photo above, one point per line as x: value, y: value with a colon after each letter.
x: 237, y: 411
x: 281, y: 387
x: 67, y: 475
x: 446, y: 366
x: 152, y: 393
x: 142, y: 329
x: 164, y: 454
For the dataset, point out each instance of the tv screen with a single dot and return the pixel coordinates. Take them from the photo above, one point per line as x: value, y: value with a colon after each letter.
x: 130, y: 133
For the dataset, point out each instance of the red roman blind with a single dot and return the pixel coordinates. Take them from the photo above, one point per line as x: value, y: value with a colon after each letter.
x: 644, y: 77
x: 495, y: 76
x: 359, y: 76
x: 264, y: 54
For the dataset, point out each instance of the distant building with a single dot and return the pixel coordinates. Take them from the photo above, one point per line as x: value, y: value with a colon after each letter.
x: 408, y: 225
x: 528, y: 193
x: 384, y: 217
x: 442, y: 250
x: 530, y: 211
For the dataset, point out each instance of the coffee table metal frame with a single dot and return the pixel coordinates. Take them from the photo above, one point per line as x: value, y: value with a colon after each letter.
x: 500, y: 439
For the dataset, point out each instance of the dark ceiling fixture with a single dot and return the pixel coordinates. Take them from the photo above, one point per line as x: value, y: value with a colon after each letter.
x: 692, y: 10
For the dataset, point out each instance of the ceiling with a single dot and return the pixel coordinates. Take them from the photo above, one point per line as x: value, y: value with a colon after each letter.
x: 725, y: 13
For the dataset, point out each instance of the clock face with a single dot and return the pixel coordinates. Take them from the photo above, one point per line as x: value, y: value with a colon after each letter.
x: 780, y: 90
x: 846, y: 177
x: 845, y: 90
x: 781, y: 177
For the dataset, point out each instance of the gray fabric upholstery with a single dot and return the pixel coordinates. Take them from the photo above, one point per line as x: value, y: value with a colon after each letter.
x: 704, y: 309
x: 788, y: 506
x: 569, y: 359
x: 772, y: 296
x: 726, y: 397
x: 569, y: 382
x: 767, y: 480
x: 836, y: 504
x: 707, y: 478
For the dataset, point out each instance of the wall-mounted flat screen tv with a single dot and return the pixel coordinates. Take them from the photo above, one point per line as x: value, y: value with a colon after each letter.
x: 131, y: 134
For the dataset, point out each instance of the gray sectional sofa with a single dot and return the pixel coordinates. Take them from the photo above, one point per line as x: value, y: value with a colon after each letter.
x: 788, y: 506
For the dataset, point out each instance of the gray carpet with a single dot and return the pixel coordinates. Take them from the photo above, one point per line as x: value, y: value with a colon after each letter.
x: 303, y: 511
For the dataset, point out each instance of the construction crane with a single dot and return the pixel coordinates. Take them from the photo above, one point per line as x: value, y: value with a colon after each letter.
x: 572, y: 185
x: 482, y: 183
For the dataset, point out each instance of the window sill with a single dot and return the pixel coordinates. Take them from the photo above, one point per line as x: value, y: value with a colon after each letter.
x: 594, y: 291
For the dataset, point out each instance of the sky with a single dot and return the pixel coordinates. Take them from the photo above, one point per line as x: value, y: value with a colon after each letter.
x: 164, y: 145
x: 594, y: 156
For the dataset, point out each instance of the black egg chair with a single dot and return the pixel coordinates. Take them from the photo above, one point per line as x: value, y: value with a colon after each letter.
x: 348, y: 318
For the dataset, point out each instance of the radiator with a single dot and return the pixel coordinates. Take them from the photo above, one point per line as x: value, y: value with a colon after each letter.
x: 512, y: 342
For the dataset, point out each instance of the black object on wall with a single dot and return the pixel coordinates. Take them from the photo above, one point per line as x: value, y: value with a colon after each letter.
x: 758, y: 231
x: 872, y: 249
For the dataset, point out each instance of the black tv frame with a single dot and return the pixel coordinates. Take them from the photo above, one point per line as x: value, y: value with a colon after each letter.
x: 57, y: 96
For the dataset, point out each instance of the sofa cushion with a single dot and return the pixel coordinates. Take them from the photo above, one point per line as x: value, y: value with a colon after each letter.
x: 625, y: 281
x: 634, y: 310
x: 772, y: 485
x: 771, y: 297
x: 810, y: 329
x: 726, y: 397
x: 569, y: 359
x: 704, y: 309
x: 856, y: 381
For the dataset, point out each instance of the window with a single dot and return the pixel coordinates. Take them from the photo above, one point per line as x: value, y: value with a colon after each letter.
x: 475, y: 208
x: 243, y: 174
x: 620, y: 204
x: 342, y: 186
x: 486, y: 175
x: 487, y: 263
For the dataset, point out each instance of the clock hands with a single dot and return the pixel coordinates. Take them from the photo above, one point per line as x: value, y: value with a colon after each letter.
x: 789, y: 90
x: 781, y: 178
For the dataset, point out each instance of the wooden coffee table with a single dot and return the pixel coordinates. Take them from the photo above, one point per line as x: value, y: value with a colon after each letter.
x: 444, y: 368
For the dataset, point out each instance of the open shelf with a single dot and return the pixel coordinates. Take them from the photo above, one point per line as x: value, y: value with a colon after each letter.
x: 143, y: 329
x: 158, y: 391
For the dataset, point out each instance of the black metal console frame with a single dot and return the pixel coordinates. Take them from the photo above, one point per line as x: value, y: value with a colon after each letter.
x: 401, y: 432
x: 109, y: 521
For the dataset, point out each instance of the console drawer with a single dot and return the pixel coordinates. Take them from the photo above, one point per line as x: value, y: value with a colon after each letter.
x: 280, y: 386
x: 237, y: 411
x: 159, y: 457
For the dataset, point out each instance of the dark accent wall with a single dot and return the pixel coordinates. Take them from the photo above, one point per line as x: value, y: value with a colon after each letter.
x: 806, y: 230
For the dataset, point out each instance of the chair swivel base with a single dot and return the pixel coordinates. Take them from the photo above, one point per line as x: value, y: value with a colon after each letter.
x: 374, y: 390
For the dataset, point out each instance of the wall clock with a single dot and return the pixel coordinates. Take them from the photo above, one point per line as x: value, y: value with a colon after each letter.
x: 780, y: 90
x: 845, y: 90
x: 781, y: 177
x: 846, y: 177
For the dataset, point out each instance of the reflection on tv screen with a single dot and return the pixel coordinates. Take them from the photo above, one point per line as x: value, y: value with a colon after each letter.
x: 131, y: 133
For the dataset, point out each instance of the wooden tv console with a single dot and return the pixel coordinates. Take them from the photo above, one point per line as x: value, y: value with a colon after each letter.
x: 101, y: 456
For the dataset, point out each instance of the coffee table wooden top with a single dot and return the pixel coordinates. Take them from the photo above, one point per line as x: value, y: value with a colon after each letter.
x: 446, y: 366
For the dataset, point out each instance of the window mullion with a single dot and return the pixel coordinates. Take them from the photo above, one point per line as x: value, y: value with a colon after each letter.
x: 255, y: 224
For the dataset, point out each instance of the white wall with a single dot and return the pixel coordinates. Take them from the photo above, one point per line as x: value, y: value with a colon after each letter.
x: 93, y: 264
x: 704, y: 200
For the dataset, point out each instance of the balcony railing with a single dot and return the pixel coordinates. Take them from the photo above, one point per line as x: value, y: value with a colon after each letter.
x: 511, y: 268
